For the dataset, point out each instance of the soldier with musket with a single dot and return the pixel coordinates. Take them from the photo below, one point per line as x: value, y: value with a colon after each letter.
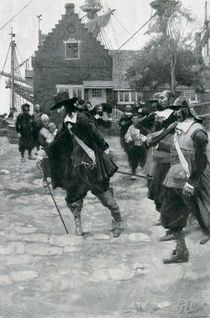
x: 80, y: 162
x: 187, y: 184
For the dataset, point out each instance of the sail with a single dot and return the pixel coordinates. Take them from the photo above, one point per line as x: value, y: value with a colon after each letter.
x: 94, y: 26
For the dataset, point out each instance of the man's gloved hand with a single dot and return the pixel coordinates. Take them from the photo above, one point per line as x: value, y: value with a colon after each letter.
x: 19, y: 135
x: 188, y: 190
x: 109, y: 153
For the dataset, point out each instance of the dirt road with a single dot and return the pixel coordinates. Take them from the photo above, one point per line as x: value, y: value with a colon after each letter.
x: 45, y: 273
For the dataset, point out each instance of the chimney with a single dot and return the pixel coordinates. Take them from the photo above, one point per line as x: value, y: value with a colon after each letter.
x: 69, y: 8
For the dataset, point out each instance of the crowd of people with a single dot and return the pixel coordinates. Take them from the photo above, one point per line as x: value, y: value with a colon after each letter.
x: 164, y: 136
x: 33, y: 129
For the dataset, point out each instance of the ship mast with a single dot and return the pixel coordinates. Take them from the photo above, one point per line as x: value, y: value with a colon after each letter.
x: 20, y: 88
x: 13, y: 45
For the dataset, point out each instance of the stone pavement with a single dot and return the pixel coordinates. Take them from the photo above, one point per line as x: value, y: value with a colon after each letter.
x: 45, y: 273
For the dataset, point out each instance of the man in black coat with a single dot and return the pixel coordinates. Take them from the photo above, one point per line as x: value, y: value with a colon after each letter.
x: 25, y: 127
x: 80, y: 163
x: 102, y: 119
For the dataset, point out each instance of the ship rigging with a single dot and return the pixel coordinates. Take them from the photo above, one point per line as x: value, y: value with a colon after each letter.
x: 21, y: 89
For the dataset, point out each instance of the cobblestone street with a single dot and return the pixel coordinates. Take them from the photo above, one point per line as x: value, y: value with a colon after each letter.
x: 45, y: 273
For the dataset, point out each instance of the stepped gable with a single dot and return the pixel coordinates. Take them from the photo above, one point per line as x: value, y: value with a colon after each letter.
x: 68, y: 27
x: 51, y: 67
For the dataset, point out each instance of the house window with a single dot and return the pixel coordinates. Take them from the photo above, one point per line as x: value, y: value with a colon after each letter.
x: 191, y: 95
x: 72, y: 90
x: 121, y: 97
x: 133, y: 96
x: 127, y: 97
x: 60, y: 90
x: 72, y: 49
x: 77, y: 92
x: 96, y: 92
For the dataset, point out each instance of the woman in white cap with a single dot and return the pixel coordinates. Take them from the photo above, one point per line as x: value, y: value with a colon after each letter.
x: 45, y: 137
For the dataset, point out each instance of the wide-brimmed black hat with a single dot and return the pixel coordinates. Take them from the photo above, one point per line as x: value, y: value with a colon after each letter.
x: 62, y: 98
x: 180, y: 103
x: 153, y: 101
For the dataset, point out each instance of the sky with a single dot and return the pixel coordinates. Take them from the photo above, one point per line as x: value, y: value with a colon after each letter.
x: 128, y: 18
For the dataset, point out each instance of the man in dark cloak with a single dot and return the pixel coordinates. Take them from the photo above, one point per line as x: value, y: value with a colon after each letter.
x: 80, y: 163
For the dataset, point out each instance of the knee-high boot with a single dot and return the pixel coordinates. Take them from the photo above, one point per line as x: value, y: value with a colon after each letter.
x: 181, y: 254
x: 108, y: 200
x: 76, y: 209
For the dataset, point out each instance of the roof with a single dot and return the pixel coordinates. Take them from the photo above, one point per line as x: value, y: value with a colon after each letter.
x: 98, y: 84
x: 122, y: 61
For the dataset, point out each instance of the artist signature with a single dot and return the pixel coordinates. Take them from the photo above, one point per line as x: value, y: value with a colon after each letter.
x: 191, y: 307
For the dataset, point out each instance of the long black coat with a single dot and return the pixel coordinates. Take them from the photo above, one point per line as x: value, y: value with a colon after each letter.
x: 67, y: 156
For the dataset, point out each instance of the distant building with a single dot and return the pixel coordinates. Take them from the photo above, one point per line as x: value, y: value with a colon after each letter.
x: 71, y: 59
x: 202, y: 47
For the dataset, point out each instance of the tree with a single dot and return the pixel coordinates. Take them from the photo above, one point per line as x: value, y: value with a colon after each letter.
x: 152, y: 68
x: 169, y: 51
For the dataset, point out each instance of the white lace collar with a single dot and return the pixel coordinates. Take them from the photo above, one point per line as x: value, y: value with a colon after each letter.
x: 164, y: 113
x: 71, y: 119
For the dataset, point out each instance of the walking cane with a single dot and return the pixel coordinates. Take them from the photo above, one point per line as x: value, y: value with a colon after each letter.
x: 136, y: 175
x: 52, y: 196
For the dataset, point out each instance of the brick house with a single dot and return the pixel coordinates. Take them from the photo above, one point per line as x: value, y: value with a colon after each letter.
x: 71, y: 59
